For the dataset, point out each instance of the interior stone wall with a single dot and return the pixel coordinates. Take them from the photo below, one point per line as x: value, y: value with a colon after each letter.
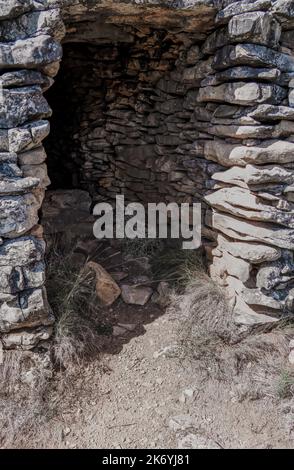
x: 216, y: 107
x: 124, y: 117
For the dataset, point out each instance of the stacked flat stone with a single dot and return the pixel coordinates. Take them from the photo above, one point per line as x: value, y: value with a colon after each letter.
x: 30, y: 51
x: 248, y: 108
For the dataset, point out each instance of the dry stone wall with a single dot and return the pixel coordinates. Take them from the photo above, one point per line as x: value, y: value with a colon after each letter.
x: 209, y: 116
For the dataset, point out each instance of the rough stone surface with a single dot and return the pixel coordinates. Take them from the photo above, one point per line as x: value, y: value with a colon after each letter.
x: 107, y: 289
x: 137, y: 295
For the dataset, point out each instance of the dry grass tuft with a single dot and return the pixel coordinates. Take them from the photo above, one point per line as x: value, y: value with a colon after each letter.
x: 256, y: 361
x: 79, y: 316
x: 24, y: 379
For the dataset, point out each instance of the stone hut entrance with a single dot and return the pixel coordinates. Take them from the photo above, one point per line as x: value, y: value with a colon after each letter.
x: 184, y: 101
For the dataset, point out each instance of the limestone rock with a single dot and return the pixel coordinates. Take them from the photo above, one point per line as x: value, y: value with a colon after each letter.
x: 254, y: 27
x: 257, y: 27
x: 242, y: 93
x: 13, y: 186
x: 35, y: 156
x: 241, y: 73
x: 136, y: 295
x: 228, y: 264
x: 23, y: 138
x: 268, y: 112
x: 239, y: 7
x: 277, y: 273
x: 253, y: 252
x: 18, y: 214
x: 19, y: 78
x: 13, y: 8
x: 8, y: 166
x: 253, y: 296
x: 244, y: 315
x: 19, y: 278
x: 26, y: 339
x: 38, y: 172
x: 47, y: 22
x: 284, y: 10
x: 26, y: 310
x: 107, y: 289
x: 271, y: 151
x: 19, y: 105
x: 253, y: 55
x: 253, y: 175
x: 21, y: 251
x: 30, y: 53
x: 243, y: 230
x: 242, y: 203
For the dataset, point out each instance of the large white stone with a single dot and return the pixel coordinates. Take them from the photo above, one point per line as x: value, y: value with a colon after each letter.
x: 242, y: 203
x: 270, y: 151
x: 253, y: 175
x: 244, y: 315
x: 253, y: 252
x: 243, y: 230
x: 242, y: 93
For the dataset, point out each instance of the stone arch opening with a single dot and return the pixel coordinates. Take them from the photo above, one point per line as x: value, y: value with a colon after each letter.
x: 122, y: 117
x: 200, y: 107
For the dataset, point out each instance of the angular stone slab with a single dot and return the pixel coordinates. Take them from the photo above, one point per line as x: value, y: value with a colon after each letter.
x: 241, y: 73
x: 35, y: 156
x: 20, y: 78
x: 18, y: 185
x: 253, y: 27
x: 242, y: 203
x: 37, y: 172
x: 255, y: 253
x: 276, y: 274
x: 271, y: 151
x: 21, y: 251
x: 136, y: 295
x: 8, y: 166
x: 243, y: 230
x: 284, y: 10
x: 251, y: 131
x: 107, y: 289
x: 15, y: 279
x: 23, y: 138
x: 35, y: 23
x: 14, y: 8
x: 242, y: 93
x: 252, y: 175
x: 239, y: 7
x: 253, y: 55
x: 244, y: 315
x: 18, y: 214
x: 26, y: 339
x: 18, y: 105
x: 253, y: 296
x: 26, y: 310
x: 30, y: 53
x: 268, y: 112
x: 228, y: 264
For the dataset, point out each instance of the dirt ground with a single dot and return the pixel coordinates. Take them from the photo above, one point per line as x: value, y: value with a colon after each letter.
x: 142, y: 393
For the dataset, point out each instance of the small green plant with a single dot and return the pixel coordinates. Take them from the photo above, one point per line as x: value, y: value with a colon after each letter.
x: 285, y: 384
x: 178, y: 266
x: 141, y: 247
